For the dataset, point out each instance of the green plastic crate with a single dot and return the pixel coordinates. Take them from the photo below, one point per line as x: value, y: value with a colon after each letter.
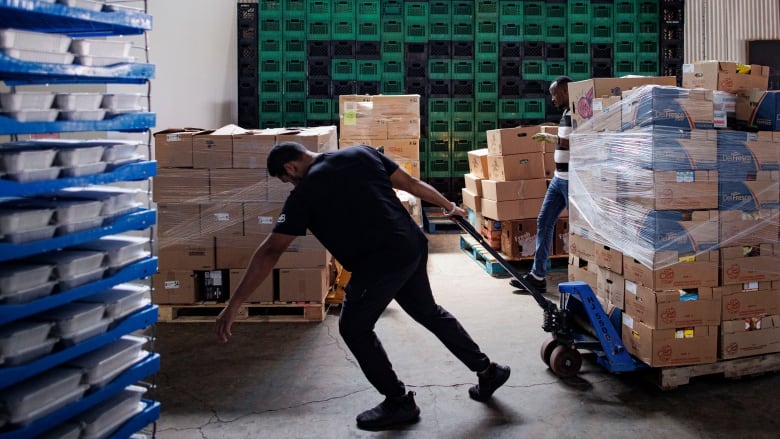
x: 578, y: 50
x: 462, y: 143
x: 270, y: 105
x: 439, y: 124
x: 533, y: 11
x: 463, y: 8
x: 554, y: 69
x: 343, y: 69
x: 555, y: 33
x: 509, y: 108
x: 462, y: 30
x: 485, y: 122
x: 510, y: 32
x: 486, y: 49
x: 367, y: 31
x: 343, y: 29
x: 439, y: 68
x: 486, y: 68
x: 601, y: 33
x: 532, y: 69
x: 487, y: 9
x: 532, y: 108
x: 438, y: 146
x: 439, y: 107
x: 440, y: 10
x: 486, y: 89
x: 440, y: 30
x: 487, y: 28
x: 579, y: 10
x: 625, y: 47
x: 416, y: 32
x: 625, y: 66
x: 294, y: 105
x: 368, y: 70
x: 319, y: 30
x: 462, y: 124
x: 318, y: 10
x: 416, y: 10
x: 319, y: 109
x: 463, y: 106
x: 392, y: 28
x: 463, y: 69
x: 392, y: 67
x: 392, y: 86
x: 344, y: 8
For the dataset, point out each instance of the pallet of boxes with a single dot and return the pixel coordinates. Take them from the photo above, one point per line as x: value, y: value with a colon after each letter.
x: 390, y: 123
x: 675, y: 220
x: 216, y: 204
x: 504, y: 190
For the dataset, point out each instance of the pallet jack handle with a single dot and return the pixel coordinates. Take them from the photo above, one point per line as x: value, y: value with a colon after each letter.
x: 543, y: 302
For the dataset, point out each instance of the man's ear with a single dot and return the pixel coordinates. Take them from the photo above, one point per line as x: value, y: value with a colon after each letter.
x: 290, y: 168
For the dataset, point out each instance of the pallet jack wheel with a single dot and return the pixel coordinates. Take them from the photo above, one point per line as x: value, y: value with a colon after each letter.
x: 547, y: 349
x: 565, y: 361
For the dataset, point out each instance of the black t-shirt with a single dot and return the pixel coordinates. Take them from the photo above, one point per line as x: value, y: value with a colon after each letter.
x: 347, y: 201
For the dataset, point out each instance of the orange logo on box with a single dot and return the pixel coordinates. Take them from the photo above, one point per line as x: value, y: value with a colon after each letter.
x: 667, y: 274
x: 733, y: 271
x: 669, y: 315
x: 664, y: 353
x: 666, y: 193
x: 732, y: 348
x: 733, y: 305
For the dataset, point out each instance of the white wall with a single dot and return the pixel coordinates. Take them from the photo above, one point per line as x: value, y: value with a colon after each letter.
x: 193, y: 47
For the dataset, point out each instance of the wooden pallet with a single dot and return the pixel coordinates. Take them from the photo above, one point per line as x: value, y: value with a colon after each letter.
x: 249, y: 312
x: 668, y: 378
x: 474, y: 249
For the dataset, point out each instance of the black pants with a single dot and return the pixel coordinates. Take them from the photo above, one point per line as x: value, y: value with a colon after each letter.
x: 366, y: 298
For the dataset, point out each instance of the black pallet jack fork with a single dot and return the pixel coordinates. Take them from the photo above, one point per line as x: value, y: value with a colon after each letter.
x: 577, y: 322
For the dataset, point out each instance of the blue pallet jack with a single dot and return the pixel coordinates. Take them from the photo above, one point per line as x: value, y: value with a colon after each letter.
x: 577, y: 322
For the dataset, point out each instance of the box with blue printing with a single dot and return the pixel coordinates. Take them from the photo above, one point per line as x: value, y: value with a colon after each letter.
x: 668, y: 106
x: 750, y: 195
x: 741, y: 154
x: 760, y: 109
x: 667, y: 149
x: 674, y: 230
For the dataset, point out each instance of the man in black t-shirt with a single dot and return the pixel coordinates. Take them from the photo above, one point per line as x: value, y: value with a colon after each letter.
x: 346, y: 199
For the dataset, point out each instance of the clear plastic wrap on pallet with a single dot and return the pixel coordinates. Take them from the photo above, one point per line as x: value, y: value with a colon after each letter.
x: 664, y: 186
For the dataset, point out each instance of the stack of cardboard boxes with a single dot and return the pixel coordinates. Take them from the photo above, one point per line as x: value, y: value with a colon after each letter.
x: 216, y: 204
x: 505, y: 188
x: 676, y: 223
x: 389, y: 122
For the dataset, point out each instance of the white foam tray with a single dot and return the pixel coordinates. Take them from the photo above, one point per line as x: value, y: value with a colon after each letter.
x: 102, y: 61
x: 118, y: 101
x: 17, y: 219
x: 14, y: 161
x: 117, y: 152
x: 83, y: 4
x: 116, y: 200
x: 71, y: 264
x: 32, y: 115
x: 28, y: 40
x: 42, y: 57
x: 120, y: 250
x: 78, y: 101
x: 73, y: 317
x: 86, y: 333
x: 26, y: 100
x: 42, y: 394
x: 99, y: 114
x: 67, y: 430
x: 100, y: 421
x: 34, y: 175
x: 121, y: 300
x: 78, y: 226
x: 69, y: 211
x: 16, y: 277
x: 99, y: 367
x: 16, y: 336
x: 28, y: 353
x: 44, y: 232
x: 112, y: 48
x: 76, y: 156
x: 81, y: 170
x: 81, y: 279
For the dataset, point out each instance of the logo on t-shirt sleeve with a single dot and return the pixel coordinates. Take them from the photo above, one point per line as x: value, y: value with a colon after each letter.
x: 281, y: 218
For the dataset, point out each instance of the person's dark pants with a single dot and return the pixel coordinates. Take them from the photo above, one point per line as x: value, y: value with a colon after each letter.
x: 366, y: 298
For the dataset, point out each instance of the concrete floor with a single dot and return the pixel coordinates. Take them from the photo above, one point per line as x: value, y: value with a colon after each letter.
x: 299, y: 380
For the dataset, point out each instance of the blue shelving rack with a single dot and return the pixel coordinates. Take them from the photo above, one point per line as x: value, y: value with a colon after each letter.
x: 39, y: 16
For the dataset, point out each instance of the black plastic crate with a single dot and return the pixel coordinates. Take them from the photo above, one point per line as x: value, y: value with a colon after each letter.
x: 319, y: 122
x: 368, y: 87
x: 601, y: 51
x: 319, y: 67
x: 339, y: 88
x: 509, y: 68
x: 316, y: 48
x: 247, y: 87
x: 415, y: 69
x: 533, y: 88
x: 318, y: 88
x: 248, y: 111
x: 247, y: 52
x: 671, y: 51
x: 343, y: 49
x: 509, y: 88
x: 247, y: 70
x: 463, y: 49
x: 463, y: 88
x: 601, y: 69
x: 417, y: 86
x: 439, y: 88
x: 673, y: 12
x: 555, y: 51
x: 367, y: 50
x: 510, y: 50
x: 416, y: 51
x: 247, y: 13
x: 439, y: 49
x: 509, y: 123
x: 533, y: 50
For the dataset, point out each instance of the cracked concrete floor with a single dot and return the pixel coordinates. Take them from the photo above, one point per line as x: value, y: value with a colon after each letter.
x: 299, y: 380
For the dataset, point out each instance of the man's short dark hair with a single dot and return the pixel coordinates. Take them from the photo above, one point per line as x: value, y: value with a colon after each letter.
x: 562, y: 80
x: 282, y: 153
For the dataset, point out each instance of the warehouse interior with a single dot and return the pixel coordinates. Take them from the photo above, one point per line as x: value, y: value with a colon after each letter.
x: 127, y: 222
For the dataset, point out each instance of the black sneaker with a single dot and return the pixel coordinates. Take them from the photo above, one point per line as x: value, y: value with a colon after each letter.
x: 392, y: 412
x: 495, y: 376
x: 540, y: 285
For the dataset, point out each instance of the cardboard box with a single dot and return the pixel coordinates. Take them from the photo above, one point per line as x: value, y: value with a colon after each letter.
x: 741, y: 155
x: 582, y: 270
x: 236, y: 251
x: 668, y: 107
x: 749, y: 228
x: 260, y: 218
x: 607, y: 114
x: 512, y: 209
x: 670, y: 190
x: 751, y: 299
x: 212, y: 149
x: 509, y: 141
x: 609, y: 257
x: 582, y: 247
x: 381, y: 104
x: 697, y: 271
x: 473, y: 184
x: 751, y: 195
x: 304, y: 258
x: 412, y: 167
x: 736, y: 342
x: 548, y: 162
x: 471, y: 200
x: 680, y: 231
x: 173, y: 147
x: 663, y: 347
x: 518, y: 238
x: 396, y: 149
x: 303, y: 284
x: 670, y: 150
x: 514, y: 189
x: 178, y: 220
x: 239, y: 185
x: 561, y: 237
x: 402, y: 127
x: 222, y: 219
x: 315, y: 139
x: 722, y: 75
x: 250, y: 150
x: 478, y: 162
x: 186, y: 254
x: 263, y: 294
x: 491, y: 231
x: 355, y: 125
x: 172, y: 185
x: 759, y: 108
x: 749, y: 264
x: 612, y: 285
x: 672, y: 308
x: 174, y: 287
x: 516, y: 166
x: 582, y: 93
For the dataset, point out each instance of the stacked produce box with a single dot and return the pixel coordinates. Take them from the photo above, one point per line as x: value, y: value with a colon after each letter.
x: 676, y: 222
x: 216, y: 204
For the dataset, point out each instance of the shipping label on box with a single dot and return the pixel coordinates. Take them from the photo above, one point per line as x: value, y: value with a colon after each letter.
x: 672, y: 308
x: 212, y: 285
x: 178, y: 220
x: 668, y: 107
x: 750, y: 264
x: 172, y: 185
x: 508, y: 141
x: 263, y: 294
x: 514, y: 189
x: 174, y: 287
x: 749, y: 299
x: 762, y: 193
x: 723, y: 75
x: 742, y: 339
x: 260, y: 218
x: 173, y: 147
x: 478, y: 162
x: 303, y: 284
x: 673, y: 270
x: 211, y: 151
x: 759, y: 108
x: 222, y: 219
x: 186, y: 254
x: 518, y: 238
x: 670, y: 347
x: 516, y: 167
x: 741, y: 154
x: 739, y: 227
x: 238, y: 185
x: 512, y: 209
